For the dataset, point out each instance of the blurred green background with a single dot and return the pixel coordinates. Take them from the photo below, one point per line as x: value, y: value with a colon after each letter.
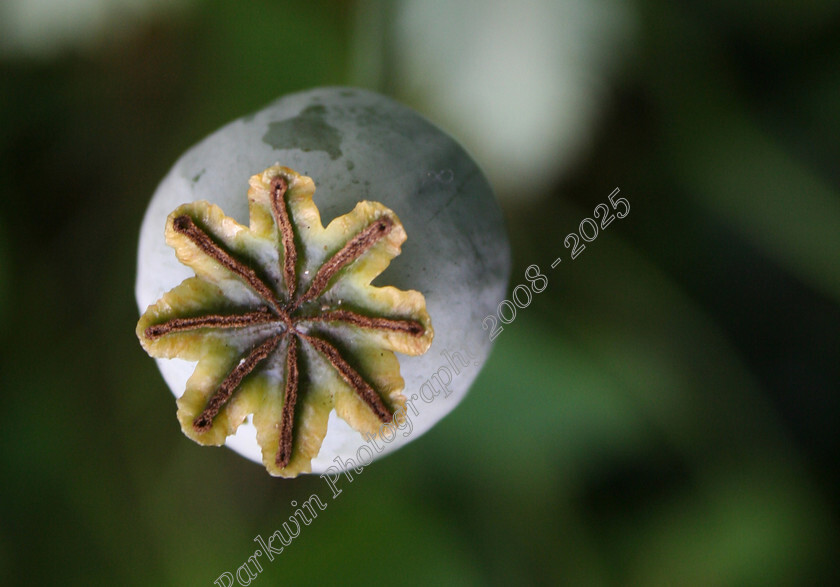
x: 666, y: 412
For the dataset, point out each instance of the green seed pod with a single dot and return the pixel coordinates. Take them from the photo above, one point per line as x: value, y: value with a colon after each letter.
x: 285, y: 308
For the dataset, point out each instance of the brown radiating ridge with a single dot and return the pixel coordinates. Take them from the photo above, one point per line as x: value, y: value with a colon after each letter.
x: 411, y: 327
x: 352, y: 377
x: 260, y: 353
x: 354, y: 249
x: 279, y: 185
x: 261, y: 316
x: 185, y: 225
x: 287, y: 421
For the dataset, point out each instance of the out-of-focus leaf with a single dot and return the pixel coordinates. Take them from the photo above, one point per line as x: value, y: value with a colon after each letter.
x: 621, y: 362
x: 738, y: 170
x: 369, y: 534
x: 4, y: 274
x: 625, y: 369
x: 753, y: 524
x: 245, y: 55
x: 784, y: 208
x: 771, y: 22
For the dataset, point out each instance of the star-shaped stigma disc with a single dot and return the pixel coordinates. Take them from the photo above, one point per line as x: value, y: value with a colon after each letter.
x: 283, y: 320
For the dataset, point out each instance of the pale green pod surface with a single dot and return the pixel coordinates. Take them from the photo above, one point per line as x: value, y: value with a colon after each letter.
x: 355, y: 146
